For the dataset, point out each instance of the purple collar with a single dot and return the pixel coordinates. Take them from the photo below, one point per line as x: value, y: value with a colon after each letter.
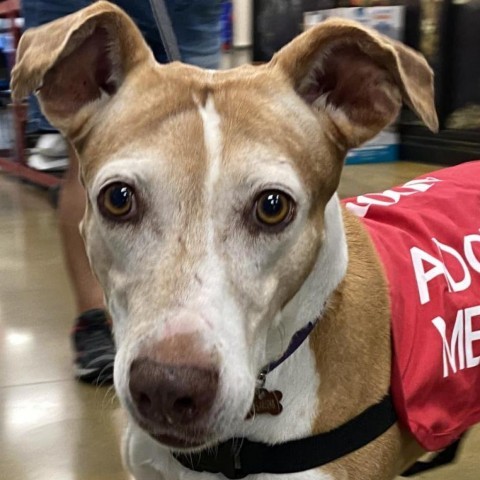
x: 297, y: 340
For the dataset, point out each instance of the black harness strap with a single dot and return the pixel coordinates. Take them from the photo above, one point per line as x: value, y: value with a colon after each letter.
x: 237, y: 457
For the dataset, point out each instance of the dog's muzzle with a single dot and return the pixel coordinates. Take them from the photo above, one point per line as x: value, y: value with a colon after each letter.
x: 173, y: 391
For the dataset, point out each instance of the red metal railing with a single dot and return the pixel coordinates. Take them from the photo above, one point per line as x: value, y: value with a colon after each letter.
x: 16, y: 164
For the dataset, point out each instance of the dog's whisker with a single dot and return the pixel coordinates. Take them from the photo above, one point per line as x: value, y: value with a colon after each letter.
x: 109, y: 397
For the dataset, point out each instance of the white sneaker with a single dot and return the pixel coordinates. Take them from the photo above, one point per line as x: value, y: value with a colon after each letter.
x: 50, y: 153
x: 51, y: 145
x: 43, y: 163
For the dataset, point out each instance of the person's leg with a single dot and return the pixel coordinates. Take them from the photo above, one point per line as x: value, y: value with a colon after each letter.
x: 88, y: 293
x: 92, y: 337
x: 92, y: 340
x: 196, y: 25
x: 198, y: 29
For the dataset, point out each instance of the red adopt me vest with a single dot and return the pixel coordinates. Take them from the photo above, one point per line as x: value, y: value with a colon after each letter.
x: 427, y: 234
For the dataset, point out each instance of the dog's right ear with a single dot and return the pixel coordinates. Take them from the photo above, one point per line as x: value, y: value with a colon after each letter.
x: 75, y: 64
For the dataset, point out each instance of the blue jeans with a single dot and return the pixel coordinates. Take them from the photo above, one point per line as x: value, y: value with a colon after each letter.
x: 196, y: 24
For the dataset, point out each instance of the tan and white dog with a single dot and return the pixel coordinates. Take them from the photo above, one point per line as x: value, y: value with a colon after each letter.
x: 214, y: 228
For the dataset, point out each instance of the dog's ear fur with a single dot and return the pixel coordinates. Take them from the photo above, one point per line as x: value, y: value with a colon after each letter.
x: 75, y: 64
x: 358, y: 77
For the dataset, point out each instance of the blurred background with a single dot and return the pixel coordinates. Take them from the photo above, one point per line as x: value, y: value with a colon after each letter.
x: 446, y: 31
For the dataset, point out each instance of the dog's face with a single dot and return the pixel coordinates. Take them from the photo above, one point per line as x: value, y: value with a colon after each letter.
x: 207, y: 194
x: 219, y: 223
x: 220, y: 231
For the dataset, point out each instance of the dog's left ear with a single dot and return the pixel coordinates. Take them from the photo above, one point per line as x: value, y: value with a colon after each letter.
x: 358, y: 77
x: 77, y: 63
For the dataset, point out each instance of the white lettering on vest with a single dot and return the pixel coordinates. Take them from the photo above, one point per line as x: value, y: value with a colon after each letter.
x: 456, y: 341
x: 473, y: 260
x: 471, y: 336
x: 390, y: 197
x: 423, y: 274
x: 452, y: 284
x: 461, y: 342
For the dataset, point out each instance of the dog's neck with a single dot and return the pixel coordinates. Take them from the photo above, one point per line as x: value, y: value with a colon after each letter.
x: 309, y: 302
x: 299, y: 372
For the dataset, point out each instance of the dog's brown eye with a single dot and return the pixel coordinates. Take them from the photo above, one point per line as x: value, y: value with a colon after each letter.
x: 273, y: 208
x: 117, y: 202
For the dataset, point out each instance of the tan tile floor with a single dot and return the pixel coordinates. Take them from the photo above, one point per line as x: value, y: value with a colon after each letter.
x: 51, y: 427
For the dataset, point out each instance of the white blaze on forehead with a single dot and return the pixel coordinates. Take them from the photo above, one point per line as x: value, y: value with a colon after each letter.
x: 214, y: 301
x: 213, y: 144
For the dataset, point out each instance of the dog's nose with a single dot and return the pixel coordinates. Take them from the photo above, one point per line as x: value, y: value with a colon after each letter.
x: 169, y: 395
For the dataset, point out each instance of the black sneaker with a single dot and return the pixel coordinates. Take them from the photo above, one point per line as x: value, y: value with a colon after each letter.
x: 94, y: 348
